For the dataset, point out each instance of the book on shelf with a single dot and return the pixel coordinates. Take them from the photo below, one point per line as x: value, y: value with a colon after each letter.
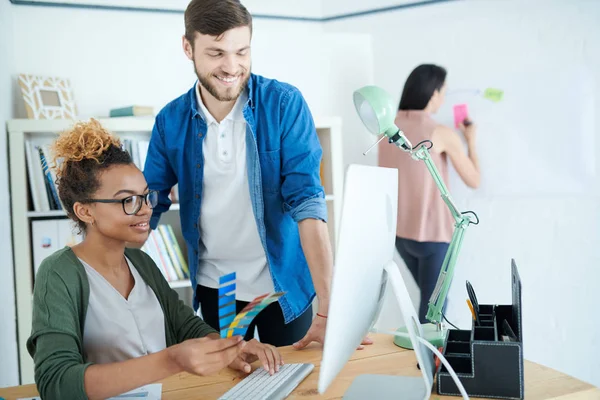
x: 41, y: 173
x: 49, y: 180
x: 163, y: 248
x: 137, y: 149
x: 131, y: 111
x: 41, y: 177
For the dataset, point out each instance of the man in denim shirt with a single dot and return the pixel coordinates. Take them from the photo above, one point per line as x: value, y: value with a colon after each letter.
x: 245, y: 154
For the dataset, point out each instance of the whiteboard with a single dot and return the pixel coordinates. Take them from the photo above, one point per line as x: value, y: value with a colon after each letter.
x: 539, y: 139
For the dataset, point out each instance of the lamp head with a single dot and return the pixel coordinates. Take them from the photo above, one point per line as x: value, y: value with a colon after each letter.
x: 375, y: 107
x: 376, y: 110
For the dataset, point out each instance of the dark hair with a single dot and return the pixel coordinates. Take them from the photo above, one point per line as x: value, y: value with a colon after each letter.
x: 80, y: 153
x: 214, y: 17
x: 420, y: 85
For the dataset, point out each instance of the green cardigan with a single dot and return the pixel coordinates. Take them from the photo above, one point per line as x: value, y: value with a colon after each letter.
x: 60, y: 300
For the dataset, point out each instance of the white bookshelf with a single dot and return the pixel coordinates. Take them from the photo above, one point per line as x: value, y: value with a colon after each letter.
x: 180, y: 284
x: 20, y: 130
x: 60, y: 213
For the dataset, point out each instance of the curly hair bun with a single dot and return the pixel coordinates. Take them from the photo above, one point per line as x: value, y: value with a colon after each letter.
x: 85, y: 140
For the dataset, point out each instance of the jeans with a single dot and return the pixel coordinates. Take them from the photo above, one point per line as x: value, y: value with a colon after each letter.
x: 424, y: 261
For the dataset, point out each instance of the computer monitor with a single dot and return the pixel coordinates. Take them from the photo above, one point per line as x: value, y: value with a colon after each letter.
x: 363, y: 262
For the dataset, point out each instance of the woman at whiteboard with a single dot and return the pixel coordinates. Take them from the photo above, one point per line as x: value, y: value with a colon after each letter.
x: 425, y: 225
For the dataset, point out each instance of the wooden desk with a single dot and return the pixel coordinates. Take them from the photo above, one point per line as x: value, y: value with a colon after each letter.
x: 381, y: 358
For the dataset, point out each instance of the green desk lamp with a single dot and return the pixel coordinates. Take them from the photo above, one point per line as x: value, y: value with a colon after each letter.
x: 375, y: 108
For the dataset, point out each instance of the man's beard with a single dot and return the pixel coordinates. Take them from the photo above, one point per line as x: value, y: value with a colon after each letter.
x: 230, y: 94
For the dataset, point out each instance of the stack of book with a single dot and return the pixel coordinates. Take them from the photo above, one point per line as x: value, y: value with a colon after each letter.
x: 163, y: 248
x: 42, y: 178
x: 42, y: 175
x: 137, y: 149
x: 132, y: 111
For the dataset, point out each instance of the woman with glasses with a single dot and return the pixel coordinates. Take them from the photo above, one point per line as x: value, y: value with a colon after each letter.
x: 105, y: 320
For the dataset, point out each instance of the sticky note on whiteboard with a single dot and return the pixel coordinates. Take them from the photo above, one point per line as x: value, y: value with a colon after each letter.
x: 460, y: 114
x: 492, y: 94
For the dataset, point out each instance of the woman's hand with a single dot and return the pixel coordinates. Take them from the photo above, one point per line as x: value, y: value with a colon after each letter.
x: 254, y: 350
x: 206, y: 356
x: 469, y: 131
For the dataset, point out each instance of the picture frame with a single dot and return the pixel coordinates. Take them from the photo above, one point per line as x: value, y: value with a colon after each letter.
x: 47, y: 97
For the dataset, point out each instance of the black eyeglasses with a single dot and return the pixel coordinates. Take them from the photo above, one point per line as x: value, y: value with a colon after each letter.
x: 131, y: 204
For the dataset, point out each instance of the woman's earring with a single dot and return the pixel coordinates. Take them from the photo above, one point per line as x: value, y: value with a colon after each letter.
x: 93, y: 223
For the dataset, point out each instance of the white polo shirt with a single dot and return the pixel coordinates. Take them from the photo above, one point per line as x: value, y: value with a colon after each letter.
x: 227, y: 225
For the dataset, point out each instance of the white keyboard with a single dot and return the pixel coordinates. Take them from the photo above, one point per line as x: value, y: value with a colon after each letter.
x: 260, y: 385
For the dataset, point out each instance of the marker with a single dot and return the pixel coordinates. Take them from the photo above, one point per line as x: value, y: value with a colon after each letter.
x: 472, y: 310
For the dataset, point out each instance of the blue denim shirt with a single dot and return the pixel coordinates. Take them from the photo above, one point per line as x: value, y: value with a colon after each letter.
x: 283, y: 160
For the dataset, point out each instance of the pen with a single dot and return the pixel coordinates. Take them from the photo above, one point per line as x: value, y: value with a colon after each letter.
x: 472, y: 296
x: 474, y: 312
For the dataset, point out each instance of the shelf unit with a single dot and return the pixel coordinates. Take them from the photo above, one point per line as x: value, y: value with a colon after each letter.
x: 60, y: 213
x: 20, y: 130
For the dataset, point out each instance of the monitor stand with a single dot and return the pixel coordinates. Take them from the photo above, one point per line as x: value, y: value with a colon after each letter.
x: 386, y: 387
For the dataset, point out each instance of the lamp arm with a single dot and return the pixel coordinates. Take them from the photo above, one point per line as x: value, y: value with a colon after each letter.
x: 438, y: 297
x: 422, y: 153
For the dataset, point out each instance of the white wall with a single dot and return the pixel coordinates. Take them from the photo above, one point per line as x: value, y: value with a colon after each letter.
x: 332, y: 8
x: 303, y: 9
x: 549, y: 226
x: 348, y: 64
x: 116, y: 58
x: 9, y: 374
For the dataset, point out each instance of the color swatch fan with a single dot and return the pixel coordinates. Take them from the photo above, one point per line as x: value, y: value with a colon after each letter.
x: 226, y: 302
x: 230, y: 323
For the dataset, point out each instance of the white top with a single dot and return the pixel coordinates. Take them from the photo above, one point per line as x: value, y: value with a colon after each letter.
x: 227, y: 225
x: 118, y: 329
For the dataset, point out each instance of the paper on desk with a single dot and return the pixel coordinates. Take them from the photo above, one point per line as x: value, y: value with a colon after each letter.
x: 148, y: 392
x: 30, y: 398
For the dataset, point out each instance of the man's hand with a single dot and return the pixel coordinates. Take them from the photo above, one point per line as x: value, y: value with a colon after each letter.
x: 316, y: 333
x: 254, y: 350
x: 366, y: 341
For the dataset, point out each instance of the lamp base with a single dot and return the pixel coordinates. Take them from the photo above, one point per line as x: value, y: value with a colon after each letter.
x: 431, y: 333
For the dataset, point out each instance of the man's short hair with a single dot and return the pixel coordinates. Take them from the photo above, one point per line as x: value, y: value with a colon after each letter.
x: 214, y: 17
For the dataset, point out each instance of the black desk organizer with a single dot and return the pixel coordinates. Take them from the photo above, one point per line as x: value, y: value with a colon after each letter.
x: 486, y: 364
